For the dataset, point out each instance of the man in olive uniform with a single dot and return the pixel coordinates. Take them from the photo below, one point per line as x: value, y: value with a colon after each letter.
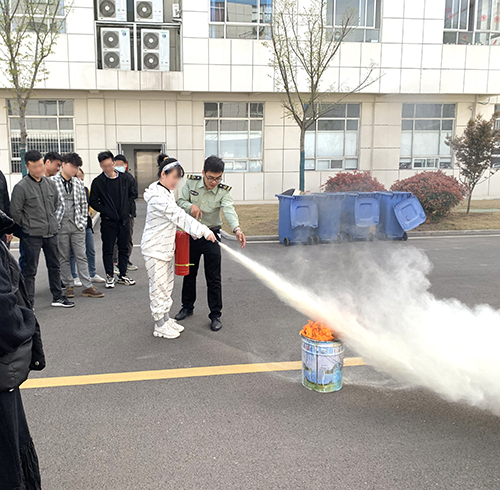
x: 203, y: 197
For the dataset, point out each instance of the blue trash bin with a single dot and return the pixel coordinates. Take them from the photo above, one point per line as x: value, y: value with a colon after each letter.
x: 298, y: 219
x: 329, y: 206
x: 400, y: 212
x: 360, y: 211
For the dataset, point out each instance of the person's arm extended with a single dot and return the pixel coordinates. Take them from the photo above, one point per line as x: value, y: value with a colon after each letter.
x: 17, y: 204
x: 95, y: 197
x: 180, y: 218
x: 184, y: 200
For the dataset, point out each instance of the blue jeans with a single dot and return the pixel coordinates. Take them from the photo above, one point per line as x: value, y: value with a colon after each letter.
x: 90, y: 252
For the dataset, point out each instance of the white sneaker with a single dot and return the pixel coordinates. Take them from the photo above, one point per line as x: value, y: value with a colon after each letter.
x: 166, y: 332
x: 77, y: 283
x: 110, y: 282
x: 173, y: 324
x: 98, y: 279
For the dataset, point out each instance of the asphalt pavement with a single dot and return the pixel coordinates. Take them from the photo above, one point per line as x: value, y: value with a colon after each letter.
x: 251, y: 431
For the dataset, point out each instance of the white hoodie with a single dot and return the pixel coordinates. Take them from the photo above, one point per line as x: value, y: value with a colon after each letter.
x: 162, y: 219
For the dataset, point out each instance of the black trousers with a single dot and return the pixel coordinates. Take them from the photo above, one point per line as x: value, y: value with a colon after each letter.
x: 18, y: 460
x: 31, y: 247
x: 115, y: 232
x: 212, y: 263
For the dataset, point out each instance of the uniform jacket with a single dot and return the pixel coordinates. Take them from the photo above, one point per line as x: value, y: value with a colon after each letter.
x: 33, y: 206
x: 101, y: 201
x: 80, y: 197
x: 162, y: 219
x: 209, y: 201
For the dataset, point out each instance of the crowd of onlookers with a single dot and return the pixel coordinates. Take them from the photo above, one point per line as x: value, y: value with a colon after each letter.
x: 52, y: 209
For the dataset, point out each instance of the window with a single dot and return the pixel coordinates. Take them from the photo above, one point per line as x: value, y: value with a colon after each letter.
x: 240, y: 19
x: 367, y: 23
x: 332, y: 142
x: 233, y: 131
x: 50, y: 126
x: 424, y: 128
x: 47, y: 14
x: 472, y: 22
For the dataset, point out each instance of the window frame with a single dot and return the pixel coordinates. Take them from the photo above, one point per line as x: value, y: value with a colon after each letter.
x: 467, y: 30
x: 407, y: 162
x: 262, y: 28
x: 361, y: 32
x: 60, y: 17
x: 230, y: 161
x: 335, y: 158
x: 65, y: 137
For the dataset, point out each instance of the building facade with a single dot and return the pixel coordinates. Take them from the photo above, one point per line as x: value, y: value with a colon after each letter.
x: 192, y: 78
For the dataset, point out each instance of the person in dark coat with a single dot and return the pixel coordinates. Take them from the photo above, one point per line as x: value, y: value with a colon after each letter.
x: 4, y: 205
x: 21, y: 350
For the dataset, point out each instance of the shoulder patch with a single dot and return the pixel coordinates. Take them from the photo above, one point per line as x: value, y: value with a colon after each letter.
x: 225, y: 187
x: 193, y: 177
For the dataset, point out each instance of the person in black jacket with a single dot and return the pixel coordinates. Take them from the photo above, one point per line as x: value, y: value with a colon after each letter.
x: 4, y: 205
x: 113, y: 196
x: 21, y: 349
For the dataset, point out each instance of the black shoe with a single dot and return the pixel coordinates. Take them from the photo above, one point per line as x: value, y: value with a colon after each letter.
x: 63, y: 302
x: 184, y: 313
x: 216, y: 324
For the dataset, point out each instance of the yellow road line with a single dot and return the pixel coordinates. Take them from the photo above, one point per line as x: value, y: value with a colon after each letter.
x: 94, y: 379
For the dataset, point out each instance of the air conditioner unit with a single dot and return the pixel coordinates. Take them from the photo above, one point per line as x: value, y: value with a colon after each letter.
x: 176, y: 12
x: 155, y: 50
x: 115, y: 48
x: 112, y: 10
x: 148, y: 10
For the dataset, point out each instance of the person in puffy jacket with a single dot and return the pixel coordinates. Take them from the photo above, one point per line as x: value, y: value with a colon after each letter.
x: 158, y: 242
x: 21, y: 350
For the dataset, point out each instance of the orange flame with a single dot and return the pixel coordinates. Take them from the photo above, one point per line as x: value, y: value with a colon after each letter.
x: 317, y: 331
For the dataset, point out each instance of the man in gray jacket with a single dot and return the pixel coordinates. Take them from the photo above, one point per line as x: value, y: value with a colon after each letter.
x: 33, y: 206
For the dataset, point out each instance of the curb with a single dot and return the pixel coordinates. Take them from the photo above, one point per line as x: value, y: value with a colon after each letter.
x: 415, y: 234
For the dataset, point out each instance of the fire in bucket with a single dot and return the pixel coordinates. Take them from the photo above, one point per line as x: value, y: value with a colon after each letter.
x: 322, y: 358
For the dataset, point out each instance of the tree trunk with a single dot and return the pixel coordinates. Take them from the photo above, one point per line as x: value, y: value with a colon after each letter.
x: 302, y: 166
x: 24, y: 139
x: 468, y: 202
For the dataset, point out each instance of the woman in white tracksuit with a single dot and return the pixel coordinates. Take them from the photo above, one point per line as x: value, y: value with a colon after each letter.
x: 158, y: 243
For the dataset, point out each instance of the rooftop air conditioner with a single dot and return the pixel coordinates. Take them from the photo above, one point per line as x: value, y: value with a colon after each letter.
x: 115, y: 48
x: 155, y: 50
x: 112, y: 10
x: 148, y: 10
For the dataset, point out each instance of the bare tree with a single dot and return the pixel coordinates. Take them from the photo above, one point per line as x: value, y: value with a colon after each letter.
x: 303, y: 47
x: 28, y: 34
x: 474, y: 151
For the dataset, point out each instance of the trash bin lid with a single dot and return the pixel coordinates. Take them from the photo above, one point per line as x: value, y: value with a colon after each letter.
x: 367, y: 210
x: 304, y: 212
x: 409, y: 213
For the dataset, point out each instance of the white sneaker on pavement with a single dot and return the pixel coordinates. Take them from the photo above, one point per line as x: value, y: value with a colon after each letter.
x: 98, y: 279
x: 165, y: 332
x: 77, y: 283
x: 173, y: 324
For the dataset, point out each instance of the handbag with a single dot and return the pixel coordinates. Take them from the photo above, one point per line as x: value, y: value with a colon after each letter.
x: 15, y: 367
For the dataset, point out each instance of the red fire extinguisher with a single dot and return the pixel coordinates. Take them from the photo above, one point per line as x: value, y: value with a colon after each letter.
x: 182, y: 253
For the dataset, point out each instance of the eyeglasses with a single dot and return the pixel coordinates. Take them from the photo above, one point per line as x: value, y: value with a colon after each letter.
x: 214, y: 179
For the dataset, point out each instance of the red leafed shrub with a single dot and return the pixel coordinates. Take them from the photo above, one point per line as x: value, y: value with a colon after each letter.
x: 352, y: 181
x: 437, y: 192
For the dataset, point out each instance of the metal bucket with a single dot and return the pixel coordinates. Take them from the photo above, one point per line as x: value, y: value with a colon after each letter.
x: 322, y: 364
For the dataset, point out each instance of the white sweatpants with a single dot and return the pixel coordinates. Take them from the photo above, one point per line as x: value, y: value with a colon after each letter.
x: 161, y: 285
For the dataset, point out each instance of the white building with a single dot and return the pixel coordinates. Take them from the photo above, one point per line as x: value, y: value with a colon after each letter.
x: 193, y: 79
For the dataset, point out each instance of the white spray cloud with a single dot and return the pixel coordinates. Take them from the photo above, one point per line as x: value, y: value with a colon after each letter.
x: 381, y: 306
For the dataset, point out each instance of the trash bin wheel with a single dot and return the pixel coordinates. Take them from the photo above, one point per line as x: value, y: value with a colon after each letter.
x: 338, y: 239
x: 381, y: 235
x: 316, y: 240
x: 286, y: 241
x: 371, y: 236
x: 310, y: 240
x: 345, y: 237
x: 405, y: 236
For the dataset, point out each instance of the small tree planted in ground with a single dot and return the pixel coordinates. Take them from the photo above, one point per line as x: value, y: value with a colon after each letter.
x: 352, y: 181
x: 303, y: 46
x: 474, y: 151
x: 437, y: 192
x: 28, y: 33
